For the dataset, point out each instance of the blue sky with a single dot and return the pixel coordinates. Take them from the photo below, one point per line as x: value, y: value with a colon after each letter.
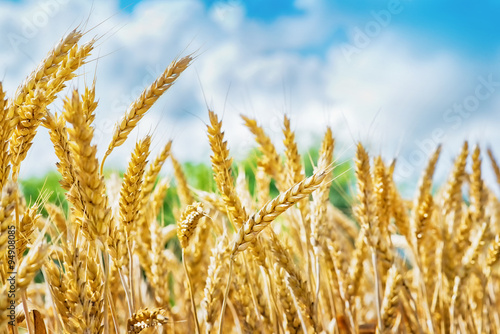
x: 463, y: 25
x: 402, y: 76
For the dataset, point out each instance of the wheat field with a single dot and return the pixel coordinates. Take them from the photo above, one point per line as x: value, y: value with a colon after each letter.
x: 236, y: 260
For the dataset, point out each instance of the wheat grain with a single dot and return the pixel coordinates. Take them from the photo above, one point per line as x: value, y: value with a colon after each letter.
x: 150, y: 211
x: 320, y: 198
x: 399, y: 210
x: 381, y: 197
x: 89, y: 103
x: 452, y: 207
x: 453, y: 193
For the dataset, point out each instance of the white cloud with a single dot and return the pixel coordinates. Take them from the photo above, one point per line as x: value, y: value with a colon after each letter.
x: 389, y: 91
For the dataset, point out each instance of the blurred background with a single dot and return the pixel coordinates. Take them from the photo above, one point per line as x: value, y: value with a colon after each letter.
x: 400, y: 76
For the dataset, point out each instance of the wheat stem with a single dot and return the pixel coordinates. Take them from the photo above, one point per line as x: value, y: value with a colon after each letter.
x: 226, y: 294
x: 378, y: 287
x: 126, y: 288
x: 191, y: 292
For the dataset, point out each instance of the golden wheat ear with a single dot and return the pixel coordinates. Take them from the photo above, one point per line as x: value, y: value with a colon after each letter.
x: 130, y: 193
x: 146, y: 318
x: 48, y: 66
x: 271, y: 161
x: 144, y: 102
x: 221, y: 165
x: 31, y: 109
x: 261, y: 219
x: 183, y: 191
x: 7, y: 123
x: 91, y: 207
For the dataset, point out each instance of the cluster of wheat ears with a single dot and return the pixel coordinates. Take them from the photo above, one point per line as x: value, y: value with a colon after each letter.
x: 248, y: 262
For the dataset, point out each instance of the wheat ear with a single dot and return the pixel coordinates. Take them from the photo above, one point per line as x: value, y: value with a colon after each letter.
x: 221, y: 165
x: 7, y: 204
x: 261, y: 219
x: 47, y: 66
x: 389, y: 304
x: 33, y: 107
x: 92, y: 211
x: 494, y: 165
x: 271, y: 161
x: 320, y: 199
x: 183, y: 191
x: 4, y: 304
x: 364, y: 210
x: 142, y: 104
x: 212, y: 292
x: 293, y: 166
x: 423, y: 204
x: 31, y: 263
x: 7, y: 124
x: 153, y: 171
x: 130, y: 194
x: 25, y: 229
x: 59, y: 137
x: 146, y: 318
x: 478, y: 193
x: 293, y: 278
x: 452, y: 208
